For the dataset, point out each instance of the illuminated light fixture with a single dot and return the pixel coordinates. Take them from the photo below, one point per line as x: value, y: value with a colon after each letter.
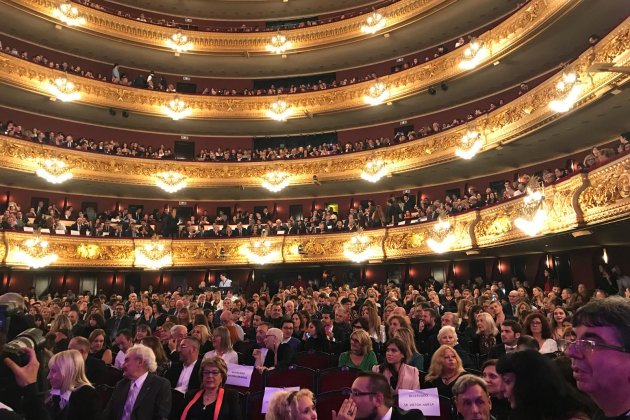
x: 568, y: 90
x: 377, y: 94
x: 442, y: 238
x: 374, y: 170
x: 605, y: 256
x: 279, y: 44
x: 34, y: 253
x: 153, y: 255
x: 470, y: 144
x: 374, y: 23
x: 533, y: 214
x: 280, y: 111
x: 53, y: 171
x: 68, y: 14
x: 474, y: 54
x: 275, y: 181
x: 176, y: 109
x: 260, y: 251
x: 179, y: 42
x: 64, y: 90
x: 170, y: 181
x: 358, y: 248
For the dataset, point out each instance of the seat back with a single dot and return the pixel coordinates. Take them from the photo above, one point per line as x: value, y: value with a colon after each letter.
x: 336, y: 378
x: 111, y: 376
x: 447, y: 410
x: 104, y: 393
x: 178, y: 404
x: 315, y: 360
x: 327, y: 402
x: 293, y: 376
x: 254, y: 406
x: 255, y: 385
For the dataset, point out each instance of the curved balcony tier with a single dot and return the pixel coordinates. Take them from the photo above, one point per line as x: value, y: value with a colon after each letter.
x: 581, y: 201
x: 430, y: 32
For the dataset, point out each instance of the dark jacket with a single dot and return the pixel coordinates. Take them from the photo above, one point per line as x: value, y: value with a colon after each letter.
x: 153, y: 401
x: 286, y: 357
x: 84, y: 403
x: 230, y: 408
x: 172, y: 374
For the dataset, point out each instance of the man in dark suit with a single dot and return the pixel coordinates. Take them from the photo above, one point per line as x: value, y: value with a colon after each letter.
x: 509, y: 309
x: 373, y: 398
x: 120, y: 321
x: 510, y: 333
x: 95, y: 369
x: 184, y: 375
x: 140, y: 395
x: 279, y: 356
x: 240, y: 231
x: 287, y: 335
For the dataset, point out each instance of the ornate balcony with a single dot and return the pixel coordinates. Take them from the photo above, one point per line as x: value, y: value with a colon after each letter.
x: 588, y: 199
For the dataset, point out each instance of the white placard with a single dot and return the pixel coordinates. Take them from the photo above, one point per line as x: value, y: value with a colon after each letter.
x: 75, y: 233
x: 44, y: 230
x: 280, y: 232
x: 28, y: 229
x: 60, y: 231
x: 414, y: 221
x: 239, y: 375
x: 426, y: 400
x: 402, y: 223
x: 269, y: 391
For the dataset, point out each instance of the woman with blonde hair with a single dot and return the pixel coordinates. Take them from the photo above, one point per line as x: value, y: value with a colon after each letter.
x: 406, y: 335
x: 222, y: 344
x: 446, y: 367
x: 71, y: 395
x: 360, y: 355
x: 292, y: 405
x: 202, y: 333
x: 487, y: 335
x: 369, y: 312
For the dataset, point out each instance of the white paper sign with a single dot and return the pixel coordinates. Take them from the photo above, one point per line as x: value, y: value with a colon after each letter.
x: 426, y: 400
x: 28, y: 229
x: 60, y: 232
x: 239, y: 375
x: 44, y: 230
x: 75, y: 233
x: 270, y: 391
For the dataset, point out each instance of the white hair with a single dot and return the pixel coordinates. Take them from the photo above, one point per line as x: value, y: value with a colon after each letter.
x: 145, y: 354
x: 445, y: 329
x: 176, y: 328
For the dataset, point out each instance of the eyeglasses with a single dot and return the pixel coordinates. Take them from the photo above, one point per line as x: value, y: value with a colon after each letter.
x: 356, y: 392
x: 589, y: 346
x: 211, y: 372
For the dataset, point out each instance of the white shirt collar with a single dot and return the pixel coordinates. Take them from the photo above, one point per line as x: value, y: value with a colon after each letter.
x: 388, y: 415
x: 64, y: 397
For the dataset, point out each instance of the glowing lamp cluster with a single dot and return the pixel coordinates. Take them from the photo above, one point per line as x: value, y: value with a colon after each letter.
x: 568, y: 90
x: 63, y: 89
x: 534, y: 215
x: 470, y: 144
x: 170, y: 181
x: 474, y: 54
x: 177, y: 109
x: 374, y: 170
x: 153, y: 255
x: 279, y: 44
x: 442, y: 238
x: 68, y: 14
x: 260, y: 251
x: 358, y: 248
x: 34, y: 253
x: 377, y: 94
x: 179, y: 42
x: 53, y: 170
x: 279, y: 111
x: 275, y: 181
x: 374, y: 23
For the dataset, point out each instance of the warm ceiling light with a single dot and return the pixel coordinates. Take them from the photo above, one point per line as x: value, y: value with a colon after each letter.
x: 34, y: 253
x: 275, y: 181
x: 53, y: 170
x: 179, y: 42
x: 377, y: 94
x: 442, y: 237
x: 358, y: 248
x: 170, y: 181
x: 68, y: 14
x: 374, y: 170
x: 474, y: 54
x: 177, y: 109
x: 63, y: 89
x: 153, y: 255
x: 279, y: 44
x: 279, y: 111
x: 534, y: 214
x: 260, y: 251
x: 568, y: 90
x: 374, y: 23
x: 469, y: 145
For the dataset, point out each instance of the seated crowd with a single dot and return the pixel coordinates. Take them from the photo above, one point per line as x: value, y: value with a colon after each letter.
x: 243, y: 223
x: 497, y: 348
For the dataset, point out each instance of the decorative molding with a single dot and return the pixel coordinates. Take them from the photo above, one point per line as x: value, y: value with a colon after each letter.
x: 500, y: 40
x: 515, y: 119
x: 302, y: 39
x: 605, y: 200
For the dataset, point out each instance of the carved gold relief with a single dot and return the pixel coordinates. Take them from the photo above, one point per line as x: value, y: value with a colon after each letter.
x: 608, y: 192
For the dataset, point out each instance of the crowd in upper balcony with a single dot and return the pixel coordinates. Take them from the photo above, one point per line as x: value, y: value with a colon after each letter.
x: 368, y: 214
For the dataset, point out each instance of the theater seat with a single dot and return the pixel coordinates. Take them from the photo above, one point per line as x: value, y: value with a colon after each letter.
x: 336, y: 378
x: 178, y: 404
x: 104, y: 393
x: 328, y: 401
x: 447, y: 410
x: 315, y: 360
x: 293, y: 376
x: 111, y: 376
x: 254, y: 406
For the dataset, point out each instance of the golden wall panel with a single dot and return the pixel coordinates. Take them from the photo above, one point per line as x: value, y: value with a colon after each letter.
x: 137, y: 32
x: 607, y: 195
x: 506, y: 37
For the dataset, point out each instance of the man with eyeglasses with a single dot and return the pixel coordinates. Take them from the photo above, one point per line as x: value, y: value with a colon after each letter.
x: 373, y: 398
x: 601, y: 355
